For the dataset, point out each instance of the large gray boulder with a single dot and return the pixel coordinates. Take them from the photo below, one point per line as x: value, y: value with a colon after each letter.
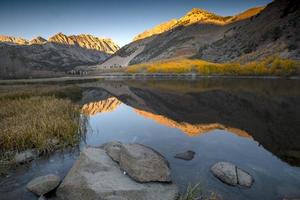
x: 113, y: 150
x: 231, y: 174
x: 43, y: 184
x: 144, y: 164
x: 96, y: 176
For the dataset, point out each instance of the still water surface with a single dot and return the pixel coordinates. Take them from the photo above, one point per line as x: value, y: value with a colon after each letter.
x: 254, y: 124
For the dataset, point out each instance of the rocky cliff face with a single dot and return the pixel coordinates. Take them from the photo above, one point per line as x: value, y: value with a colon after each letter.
x: 13, y: 40
x: 105, y: 45
x: 39, y: 57
x: 86, y: 41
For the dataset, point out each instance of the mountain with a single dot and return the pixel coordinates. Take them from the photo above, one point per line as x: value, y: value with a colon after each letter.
x: 254, y: 34
x: 276, y: 30
x: 38, y: 40
x: 39, y: 57
x: 196, y: 15
x: 13, y: 40
x: 86, y: 41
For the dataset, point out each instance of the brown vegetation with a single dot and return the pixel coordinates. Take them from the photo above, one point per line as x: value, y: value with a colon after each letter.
x: 32, y: 117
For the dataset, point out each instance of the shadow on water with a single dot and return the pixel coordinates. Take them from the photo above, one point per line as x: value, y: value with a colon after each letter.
x: 252, y: 123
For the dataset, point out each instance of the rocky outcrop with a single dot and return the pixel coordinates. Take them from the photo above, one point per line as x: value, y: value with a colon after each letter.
x: 231, y: 174
x: 96, y: 176
x: 43, y: 184
x: 86, y: 41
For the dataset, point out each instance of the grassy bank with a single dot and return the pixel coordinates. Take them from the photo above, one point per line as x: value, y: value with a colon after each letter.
x: 270, y: 66
x: 43, y: 117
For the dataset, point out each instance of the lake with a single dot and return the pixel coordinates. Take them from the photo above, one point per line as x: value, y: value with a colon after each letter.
x: 253, y: 123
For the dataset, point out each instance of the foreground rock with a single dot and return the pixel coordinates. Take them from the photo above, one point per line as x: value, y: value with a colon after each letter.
x: 113, y: 150
x: 96, y: 176
x: 188, y: 155
x: 43, y: 184
x: 144, y: 164
x: 231, y: 174
x: 25, y: 156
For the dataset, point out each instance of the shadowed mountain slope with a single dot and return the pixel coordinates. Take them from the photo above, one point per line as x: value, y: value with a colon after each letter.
x: 39, y: 57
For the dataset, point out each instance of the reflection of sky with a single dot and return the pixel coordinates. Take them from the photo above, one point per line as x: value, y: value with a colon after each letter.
x: 120, y: 20
x: 273, y: 178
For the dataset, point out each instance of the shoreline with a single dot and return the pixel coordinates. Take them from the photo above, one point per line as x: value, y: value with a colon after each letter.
x: 139, y: 76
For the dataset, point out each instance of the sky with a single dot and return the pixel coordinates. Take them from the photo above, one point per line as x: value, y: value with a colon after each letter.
x: 119, y: 20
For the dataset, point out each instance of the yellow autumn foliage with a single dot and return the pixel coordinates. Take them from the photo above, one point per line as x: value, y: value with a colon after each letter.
x: 273, y: 65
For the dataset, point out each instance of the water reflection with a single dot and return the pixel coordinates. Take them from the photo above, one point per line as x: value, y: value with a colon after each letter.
x: 269, y: 112
x: 252, y: 123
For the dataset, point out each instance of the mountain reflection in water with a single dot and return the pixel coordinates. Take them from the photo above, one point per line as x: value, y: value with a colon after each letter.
x: 262, y: 109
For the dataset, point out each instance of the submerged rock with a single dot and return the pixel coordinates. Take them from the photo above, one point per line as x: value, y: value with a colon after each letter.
x: 188, y: 155
x: 25, y: 156
x: 143, y: 164
x: 96, y: 176
x: 231, y: 174
x: 43, y: 184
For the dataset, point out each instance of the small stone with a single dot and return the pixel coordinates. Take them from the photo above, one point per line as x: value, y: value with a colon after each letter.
x: 231, y: 174
x: 244, y: 179
x: 226, y: 172
x: 188, y: 155
x: 25, y: 156
x: 43, y: 184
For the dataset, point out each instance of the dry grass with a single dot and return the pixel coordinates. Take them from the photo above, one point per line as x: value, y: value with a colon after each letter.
x: 195, y: 193
x: 270, y: 66
x: 33, y: 122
